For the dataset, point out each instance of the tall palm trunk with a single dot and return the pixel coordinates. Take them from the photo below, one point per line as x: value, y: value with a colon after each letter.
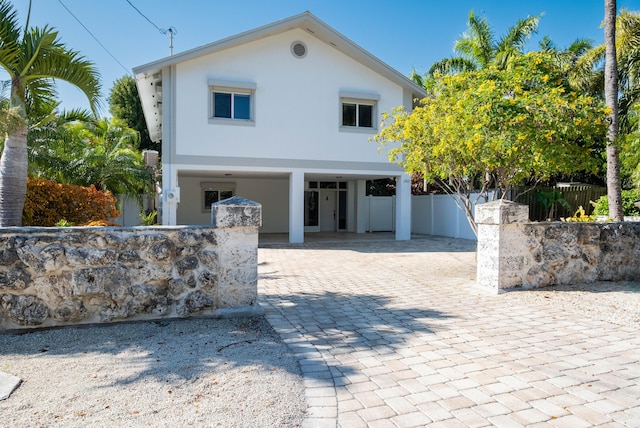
x: 13, y: 177
x: 611, y: 99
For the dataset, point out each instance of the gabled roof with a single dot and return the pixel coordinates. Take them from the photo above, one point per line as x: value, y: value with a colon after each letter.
x: 151, y: 72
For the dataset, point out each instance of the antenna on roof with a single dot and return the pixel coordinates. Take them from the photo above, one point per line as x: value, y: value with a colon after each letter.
x: 171, y: 31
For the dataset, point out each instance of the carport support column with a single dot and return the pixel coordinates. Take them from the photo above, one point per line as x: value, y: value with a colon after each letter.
x: 296, y: 207
x: 403, y: 207
x: 361, y: 206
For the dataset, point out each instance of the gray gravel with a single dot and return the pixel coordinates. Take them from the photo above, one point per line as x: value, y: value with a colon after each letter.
x: 198, y: 372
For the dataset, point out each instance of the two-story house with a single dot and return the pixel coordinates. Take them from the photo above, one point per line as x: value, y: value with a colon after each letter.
x: 281, y: 115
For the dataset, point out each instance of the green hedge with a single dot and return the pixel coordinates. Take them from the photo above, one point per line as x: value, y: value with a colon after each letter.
x: 628, y: 207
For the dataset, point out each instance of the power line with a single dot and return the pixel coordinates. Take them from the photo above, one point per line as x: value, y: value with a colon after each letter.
x: 171, y: 30
x: 161, y: 30
x: 95, y: 38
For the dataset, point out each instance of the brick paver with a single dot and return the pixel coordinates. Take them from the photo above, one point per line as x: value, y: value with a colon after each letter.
x: 395, y: 334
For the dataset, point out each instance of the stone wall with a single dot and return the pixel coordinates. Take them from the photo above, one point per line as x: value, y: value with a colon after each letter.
x: 513, y: 252
x: 62, y: 276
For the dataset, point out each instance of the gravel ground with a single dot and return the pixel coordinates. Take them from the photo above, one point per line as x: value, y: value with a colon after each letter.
x: 199, y: 372
x: 614, y: 302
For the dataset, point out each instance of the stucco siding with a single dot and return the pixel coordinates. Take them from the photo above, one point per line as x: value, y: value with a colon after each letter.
x: 297, y: 103
x: 272, y: 193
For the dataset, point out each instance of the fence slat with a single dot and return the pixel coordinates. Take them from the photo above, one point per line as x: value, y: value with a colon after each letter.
x: 576, y: 195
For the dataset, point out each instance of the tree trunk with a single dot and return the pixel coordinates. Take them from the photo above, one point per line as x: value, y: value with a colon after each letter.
x: 611, y: 97
x: 13, y: 178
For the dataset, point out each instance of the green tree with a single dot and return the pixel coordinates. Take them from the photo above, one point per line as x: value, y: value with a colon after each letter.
x: 491, y: 129
x: 34, y: 58
x: 124, y: 103
x: 102, y: 153
x: 478, y: 48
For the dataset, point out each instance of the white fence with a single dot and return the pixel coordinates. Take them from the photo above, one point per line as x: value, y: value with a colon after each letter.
x: 430, y: 215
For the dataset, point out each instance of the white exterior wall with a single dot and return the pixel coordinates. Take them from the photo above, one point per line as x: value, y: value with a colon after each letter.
x: 271, y: 193
x: 430, y: 215
x: 297, y: 103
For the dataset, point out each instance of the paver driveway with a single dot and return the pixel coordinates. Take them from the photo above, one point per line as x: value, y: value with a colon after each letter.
x: 395, y: 334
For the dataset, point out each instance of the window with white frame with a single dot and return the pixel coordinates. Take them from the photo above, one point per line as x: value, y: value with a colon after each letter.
x: 231, y: 101
x: 358, y: 111
x: 214, y: 192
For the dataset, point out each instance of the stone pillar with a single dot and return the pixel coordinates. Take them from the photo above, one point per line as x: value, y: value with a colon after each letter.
x: 237, y: 221
x: 403, y: 208
x: 501, y: 244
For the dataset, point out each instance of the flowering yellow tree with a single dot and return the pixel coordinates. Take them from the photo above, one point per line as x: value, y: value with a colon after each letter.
x: 491, y: 129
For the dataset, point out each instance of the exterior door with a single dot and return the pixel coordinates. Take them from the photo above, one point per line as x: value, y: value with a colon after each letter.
x: 327, y: 211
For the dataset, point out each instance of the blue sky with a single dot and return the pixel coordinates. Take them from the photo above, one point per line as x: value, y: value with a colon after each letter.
x: 404, y: 34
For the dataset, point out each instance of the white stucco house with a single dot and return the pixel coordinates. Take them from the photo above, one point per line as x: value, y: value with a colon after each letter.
x: 281, y: 115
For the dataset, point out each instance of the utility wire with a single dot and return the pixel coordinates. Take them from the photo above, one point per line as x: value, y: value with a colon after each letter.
x: 161, y: 30
x: 95, y: 38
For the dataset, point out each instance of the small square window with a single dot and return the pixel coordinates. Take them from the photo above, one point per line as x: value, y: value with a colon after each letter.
x: 231, y: 105
x: 231, y: 102
x: 215, y: 192
x: 358, y: 113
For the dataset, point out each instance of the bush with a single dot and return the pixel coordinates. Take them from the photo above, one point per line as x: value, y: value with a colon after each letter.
x: 628, y: 208
x: 49, y: 202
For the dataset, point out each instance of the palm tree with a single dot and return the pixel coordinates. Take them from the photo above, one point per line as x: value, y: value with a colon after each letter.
x: 101, y: 153
x: 611, y: 99
x: 34, y: 58
x: 478, y: 48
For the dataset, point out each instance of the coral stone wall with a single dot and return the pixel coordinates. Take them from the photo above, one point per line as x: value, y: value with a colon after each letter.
x: 59, y: 276
x: 513, y: 252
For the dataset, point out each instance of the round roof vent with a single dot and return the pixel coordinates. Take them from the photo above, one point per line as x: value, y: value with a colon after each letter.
x: 299, y: 49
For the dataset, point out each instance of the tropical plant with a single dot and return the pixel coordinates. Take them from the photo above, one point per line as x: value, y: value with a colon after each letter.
x: 101, y: 153
x: 125, y: 104
x: 150, y: 218
x: 49, y: 202
x: 478, y: 48
x: 550, y: 200
x: 492, y: 129
x: 35, y: 59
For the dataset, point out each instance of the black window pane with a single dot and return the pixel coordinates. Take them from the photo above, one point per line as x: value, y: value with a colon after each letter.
x: 225, y: 194
x: 348, y: 114
x: 342, y: 210
x: 365, y: 116
x: 210, y: 197
x: 241, y: 106
x: 311, y: 208
x: 221, y: 105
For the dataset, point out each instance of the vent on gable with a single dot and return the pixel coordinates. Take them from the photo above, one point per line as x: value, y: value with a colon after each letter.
x: 298, y: 49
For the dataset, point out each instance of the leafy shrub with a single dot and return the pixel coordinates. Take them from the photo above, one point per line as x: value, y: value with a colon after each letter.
x: 49, y: 202
x: 628, y: 208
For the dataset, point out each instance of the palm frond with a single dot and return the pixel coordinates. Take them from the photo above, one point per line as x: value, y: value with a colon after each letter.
x: 451, y: 66
x: 518, y: 35
x: 9, y: 37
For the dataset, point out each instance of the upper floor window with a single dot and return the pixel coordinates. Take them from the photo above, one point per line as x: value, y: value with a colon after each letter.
x: 355, y: 114
x: 232, y: 105
x: 358, y: 111
x: 232, y: 100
